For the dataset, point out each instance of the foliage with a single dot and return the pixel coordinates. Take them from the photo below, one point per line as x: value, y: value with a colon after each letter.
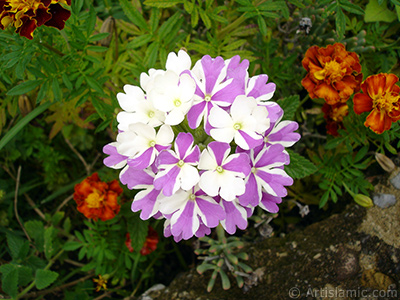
x: 58, y: 108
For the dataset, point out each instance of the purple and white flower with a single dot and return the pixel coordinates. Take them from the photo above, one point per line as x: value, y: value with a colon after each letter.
x: 177, y: 168
x: 245, y: 123
x: 224, y: 174
x: 196, y: 177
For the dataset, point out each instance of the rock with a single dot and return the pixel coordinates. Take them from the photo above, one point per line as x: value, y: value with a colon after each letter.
x: 357, y: 250
x: 384, y: 200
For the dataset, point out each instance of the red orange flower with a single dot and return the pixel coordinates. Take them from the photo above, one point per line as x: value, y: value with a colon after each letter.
x: 381, y: 97
x: 334, y: 74
x: 334, y: 115
x: 149, y: 245
x: 27, y: 15
x: 97, y: 199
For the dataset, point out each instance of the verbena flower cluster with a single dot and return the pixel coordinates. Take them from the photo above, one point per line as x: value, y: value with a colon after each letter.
x: 204, y: 144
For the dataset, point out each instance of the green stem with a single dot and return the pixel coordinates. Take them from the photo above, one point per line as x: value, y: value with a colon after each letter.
x: 231, y: 26
x: 348, y: 190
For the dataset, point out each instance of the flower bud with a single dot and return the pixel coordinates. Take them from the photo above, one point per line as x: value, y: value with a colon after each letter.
x: 24, y: 104
x: 385, y: 162
x: 108, y: 26
x: 363, y: 200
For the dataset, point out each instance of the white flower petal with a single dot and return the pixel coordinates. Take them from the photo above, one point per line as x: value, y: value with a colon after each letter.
x: 189, y: 176
x: 209, y: 183
x: 165, y: 135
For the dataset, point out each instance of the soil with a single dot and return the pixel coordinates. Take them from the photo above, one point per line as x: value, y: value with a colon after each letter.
x: 351, y: 255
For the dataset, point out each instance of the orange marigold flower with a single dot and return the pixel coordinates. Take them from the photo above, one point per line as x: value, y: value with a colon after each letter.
x: 334, y: 115
x: 149, y: 245
x: 381, y: 97
x: 27, y: 15
x: 97, y: 199
x: 334, y: 74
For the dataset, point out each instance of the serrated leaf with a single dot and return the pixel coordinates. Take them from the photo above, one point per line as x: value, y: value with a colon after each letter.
x: 9, y: 279
x: 24, y: 87
x: 289, y: 106
x: 162, y: 3
x: 25, y: 275
x: 134, y: 15
x: 205, y: 18
x: 49, y: 235
x: 340, y: 23
x: 350, y: 7
x: 72, y: 245
x: 35, y: 230
x: 375, y: 12
x: 44, y: 278
x: 167, y: 26
x: 18, y: 246
x: 57, y: 93
x: 299, y: 166
x: 138, y: 230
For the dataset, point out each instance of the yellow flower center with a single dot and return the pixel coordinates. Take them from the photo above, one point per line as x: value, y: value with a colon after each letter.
x: 95, y: 199
x: 386, y: 102
x: 332, y: 69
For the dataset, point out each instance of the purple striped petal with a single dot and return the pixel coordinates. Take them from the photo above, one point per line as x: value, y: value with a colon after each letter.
x: 251, y: 195
x: 212, y: 69
x: 142, y: 161
x: 185, y: 223
x: 220, y: 151
x: 136, y: 179
x: 268, y: 202
x: 283, y: 133
x: 276, y: 181
x: 261, y: 89
x: 166, y: 157
x: 236, y: 215
x: 202, y: 231
x: 237, y: 69
x: 167, y: 182
x: 213, y: 212
x: 195, y: 114
x: 183, y: 143
x: 115, y: 159
x: 239, y: 162
x: 193, y: 156
x: 271, y: 155
x: 250, y: 141
x: 146, y: 201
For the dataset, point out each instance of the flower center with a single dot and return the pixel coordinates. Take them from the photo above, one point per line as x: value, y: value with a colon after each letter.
x: 207, y: 98
x: 177, y: 102
x: 332, y: 70
x: 192, y: 197
x: 254, y: 170
x: 95, y: 199
x: 237, y: 126
x: 387, y: 102
x: 152, y: 143
x: 180, y: 163
x: 219, y: 169
x: 151, y: 114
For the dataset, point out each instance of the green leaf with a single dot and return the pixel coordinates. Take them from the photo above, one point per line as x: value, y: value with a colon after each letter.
x: 205, y: 267
x: 25, y: 275
x: 350, y: 7
x: 289, y: 105
x: 262, y: 25
x: 56, y: 90
x: 9, y: 279
x: 72, y: 245
x: 324, y: 199
x: 205, y: 18
x: 98, y: 37
x: 361, y: 153
x: 134, y: 15
x: 18, y: 246
x: 77, y: 6
x: 166, y: 28
x: 299, y: 166
x: 138, y: 230
x: 97, y: 48
x: 378, y: 13
x: 226, y: 284
x: 162, y: 3
x: 340, y: 23
x: 94, y: 84
x: 91, y: 20
x: 67, y: 82
x: 49, y: 236
x: 35, y: 230
x: 151, y: 54
x: 44, y: 278
x: 139, y: 41
x: 24, y: 87
x: 194, y: 17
